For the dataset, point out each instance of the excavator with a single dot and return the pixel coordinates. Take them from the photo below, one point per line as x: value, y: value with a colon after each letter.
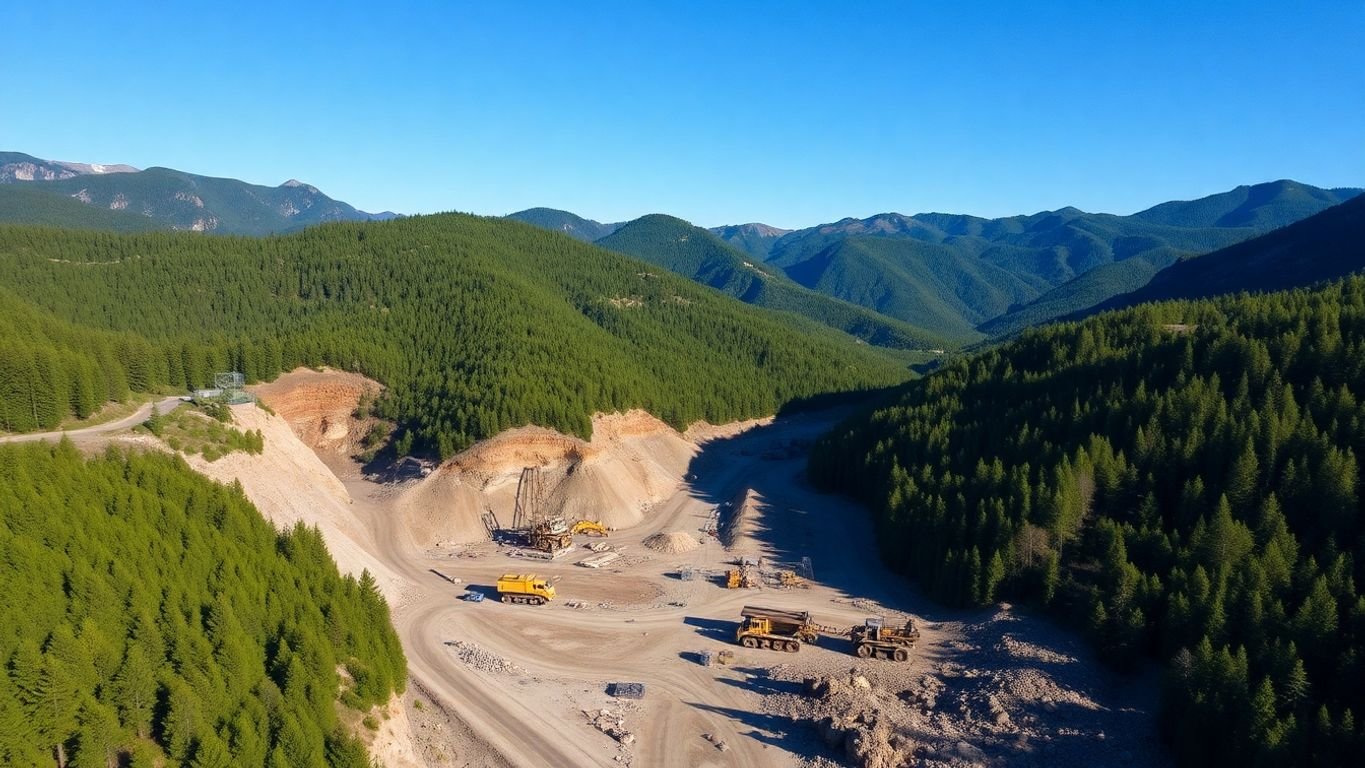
x: 589, y: 527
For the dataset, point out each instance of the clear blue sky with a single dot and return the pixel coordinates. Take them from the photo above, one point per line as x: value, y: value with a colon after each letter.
x: 789, y: 113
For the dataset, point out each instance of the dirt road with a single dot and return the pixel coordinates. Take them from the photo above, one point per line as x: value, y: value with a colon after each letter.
x: 140, y: 415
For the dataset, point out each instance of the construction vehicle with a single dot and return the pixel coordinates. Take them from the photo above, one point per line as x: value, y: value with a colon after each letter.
x: 749, y: 574
x: 737, y: 578
x: 778, y: 629
x: 875, y: 640
x: 528, y: 589
x: 590, y: 527
x: 783, y: 630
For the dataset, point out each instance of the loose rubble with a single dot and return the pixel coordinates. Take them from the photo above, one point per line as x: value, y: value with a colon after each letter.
x: 482, y: 660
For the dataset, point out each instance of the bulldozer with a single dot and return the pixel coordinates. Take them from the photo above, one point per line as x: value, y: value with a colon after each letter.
x: 876, y: 640
x: 589, y: 527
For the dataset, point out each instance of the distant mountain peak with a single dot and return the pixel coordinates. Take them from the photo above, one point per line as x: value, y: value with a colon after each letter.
x: 296, y: 184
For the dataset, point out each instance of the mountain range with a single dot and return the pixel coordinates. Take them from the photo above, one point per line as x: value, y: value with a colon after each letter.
x: 171, y: 199
x: 967, y: 278
x: 1322, y: 247
x: 700, y: 255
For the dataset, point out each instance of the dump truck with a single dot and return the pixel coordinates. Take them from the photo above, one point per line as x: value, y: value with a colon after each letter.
x: 783, y: 630
x: 778, y: 629
x: 876, y: 640
x: 528, y: 589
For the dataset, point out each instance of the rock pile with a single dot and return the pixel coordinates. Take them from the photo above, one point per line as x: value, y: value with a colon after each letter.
x: 611, y: 723
x: 484, y: 661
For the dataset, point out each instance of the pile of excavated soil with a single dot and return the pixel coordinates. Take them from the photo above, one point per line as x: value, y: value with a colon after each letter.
x: 320, y: 405
x: 632, y: 462
x: 289, y: 484
x: 672, y: 543
x: 739, y: 522
x: 1001, y: 690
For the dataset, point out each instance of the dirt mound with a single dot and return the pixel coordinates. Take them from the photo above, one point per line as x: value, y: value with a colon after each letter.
x: 672, y: 543
x: 320, y: 405
x: 632, y: 462
x: 853, y: 717
x: 739, y: 522
x: 289, y: 484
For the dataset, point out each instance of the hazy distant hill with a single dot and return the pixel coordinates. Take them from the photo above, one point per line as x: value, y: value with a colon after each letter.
x: 754, y: 239
x: 949, y: 273
x: 173, y: 199
x: 1322, y: 247
x: 570, y: 224
x: 700, y: 255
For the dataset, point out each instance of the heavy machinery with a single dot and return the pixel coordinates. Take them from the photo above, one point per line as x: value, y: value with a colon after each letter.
x: 531, y: 527
x: 875, y: 640
x: 590, y: 527
x: 777, y: 629
x: 528, y: 589
x: 748, y: 574
x: 783, y: 630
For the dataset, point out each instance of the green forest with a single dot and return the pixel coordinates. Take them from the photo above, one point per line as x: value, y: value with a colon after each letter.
x: 476, y: 325
x: 153, y: 615
x: 1183, y: 480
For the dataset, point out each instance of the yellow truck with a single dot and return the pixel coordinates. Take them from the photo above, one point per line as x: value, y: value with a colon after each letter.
x: 527, y: 589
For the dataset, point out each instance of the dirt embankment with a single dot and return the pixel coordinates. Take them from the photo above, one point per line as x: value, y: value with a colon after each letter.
x: 321, y: 406
x: 289, y: 484
x: 632, y: 462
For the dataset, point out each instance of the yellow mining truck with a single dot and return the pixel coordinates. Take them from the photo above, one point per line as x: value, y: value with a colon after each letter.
x: 528, y: 589
x: 875, y: 640
x: 777, y: 629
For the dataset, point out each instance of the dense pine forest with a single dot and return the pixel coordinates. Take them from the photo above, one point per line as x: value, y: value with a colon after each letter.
x: 1183, y: 479
x: 153, y: 615
x: 476, y: 325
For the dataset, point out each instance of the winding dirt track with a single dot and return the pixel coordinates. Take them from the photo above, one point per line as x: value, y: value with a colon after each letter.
x: 137, y: 417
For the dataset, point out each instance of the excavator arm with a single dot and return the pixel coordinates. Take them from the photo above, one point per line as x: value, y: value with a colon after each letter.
x: 589, y: 527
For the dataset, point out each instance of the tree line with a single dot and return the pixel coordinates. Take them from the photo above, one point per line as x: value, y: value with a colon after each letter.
x: 1180, y: 479
x: 476, y: 325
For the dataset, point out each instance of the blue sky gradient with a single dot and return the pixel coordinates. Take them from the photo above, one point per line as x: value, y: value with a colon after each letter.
x: 789, y: 113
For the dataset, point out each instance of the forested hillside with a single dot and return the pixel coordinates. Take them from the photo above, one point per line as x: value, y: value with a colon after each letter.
x: 1001, y: 275
x: 20, y: 204
x: 573, y: 225
x: 477, y: 325
x: 696, y: 253
x: 1183, y: 479
x: 1328, y: 245
x: 151, y: 615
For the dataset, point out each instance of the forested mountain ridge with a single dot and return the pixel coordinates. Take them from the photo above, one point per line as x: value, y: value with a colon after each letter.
x: 702, y: 256
x: 573, y: 225
x: 476, y: 324
x: 1325, y: 246
x: 154, y: 617
x: 176, y: 199
x: 1005, y: 274
x: 1183, y: 479
x: 754, y: 239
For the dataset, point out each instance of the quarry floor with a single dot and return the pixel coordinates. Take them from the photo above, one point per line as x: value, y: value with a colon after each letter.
x: 497, y: 684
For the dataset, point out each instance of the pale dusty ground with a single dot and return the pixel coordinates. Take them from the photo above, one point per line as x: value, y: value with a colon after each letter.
x: 525, y: 686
